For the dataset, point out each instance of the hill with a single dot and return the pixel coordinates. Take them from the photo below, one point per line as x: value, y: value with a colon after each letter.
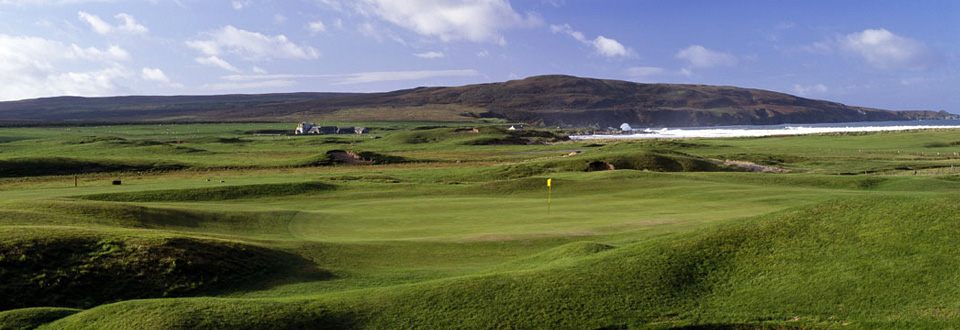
x: 548, y: 100
x: 140, y: 108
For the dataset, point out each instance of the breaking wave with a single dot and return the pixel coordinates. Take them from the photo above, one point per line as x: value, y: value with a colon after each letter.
x: 772, y: 130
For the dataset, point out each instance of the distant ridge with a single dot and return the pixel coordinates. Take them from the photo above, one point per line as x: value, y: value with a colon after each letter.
x: 547, y: 100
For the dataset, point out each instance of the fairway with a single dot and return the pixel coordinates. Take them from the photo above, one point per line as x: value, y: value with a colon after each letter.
x: 215, y: 226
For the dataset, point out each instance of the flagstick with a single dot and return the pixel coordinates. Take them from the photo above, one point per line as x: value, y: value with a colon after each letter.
x: 549, y: 193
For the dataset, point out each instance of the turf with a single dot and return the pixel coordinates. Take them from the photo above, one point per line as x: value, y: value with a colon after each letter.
x: 452, y: 229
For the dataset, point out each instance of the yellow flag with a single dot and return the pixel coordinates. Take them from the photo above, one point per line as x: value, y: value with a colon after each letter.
x: 548, y: 182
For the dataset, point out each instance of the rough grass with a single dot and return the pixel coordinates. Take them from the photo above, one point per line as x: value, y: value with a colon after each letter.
x: 81, y: 269
x: 215, y: 193
x: 126, y: 215
x: 209, y: 313
x: 37, y: 166
x: 31, y: 318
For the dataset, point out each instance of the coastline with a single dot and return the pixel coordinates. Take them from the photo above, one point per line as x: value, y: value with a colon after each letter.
x: 772, y: 130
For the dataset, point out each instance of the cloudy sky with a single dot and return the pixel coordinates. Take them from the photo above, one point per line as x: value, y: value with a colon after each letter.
x: 885, y: 54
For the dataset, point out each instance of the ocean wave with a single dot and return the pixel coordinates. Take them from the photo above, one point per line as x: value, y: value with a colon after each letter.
x: 672, y: 133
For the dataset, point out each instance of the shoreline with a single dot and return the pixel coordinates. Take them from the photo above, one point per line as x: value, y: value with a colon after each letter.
x: 675, y: 133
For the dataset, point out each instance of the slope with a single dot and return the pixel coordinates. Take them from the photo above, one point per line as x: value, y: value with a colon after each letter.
x: 849, y: 263
x: 548, y: 100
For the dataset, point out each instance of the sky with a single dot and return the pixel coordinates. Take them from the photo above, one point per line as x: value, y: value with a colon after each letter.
x: 900, y: 55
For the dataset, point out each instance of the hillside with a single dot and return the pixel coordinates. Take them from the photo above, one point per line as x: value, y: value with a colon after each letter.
x: 549, y: 100
x: 139, y: 108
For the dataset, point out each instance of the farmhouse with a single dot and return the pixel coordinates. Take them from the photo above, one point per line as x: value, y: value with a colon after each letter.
x: 311, y: 128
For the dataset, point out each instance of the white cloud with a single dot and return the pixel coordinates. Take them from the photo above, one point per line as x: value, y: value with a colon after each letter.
x: 449, y: 20
x: 128, y: 26
x: 213, y: 60
x: 114, y: 53
x: 316, y: 27
x: 157, y: 75
x: 251, y: 45
x: 884, y: 50
x: 811, y: 89
x: 609, y: 47
x: 154, y: 74
x: 238, y: 5
x: 483, y: 53
x: 701, y: 57
x: 89, y: 83
x: 279, y: 18
x: 602, y: 45
x: 36, y: 67
x: 257, y: 69
x: 430, y: 55
x: 97, y: 24
x: 368, y: 77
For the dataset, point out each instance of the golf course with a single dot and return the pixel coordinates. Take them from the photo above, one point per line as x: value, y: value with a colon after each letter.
x: 447, y: 226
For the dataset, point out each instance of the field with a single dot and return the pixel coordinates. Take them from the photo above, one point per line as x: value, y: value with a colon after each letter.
x: 421, y: 225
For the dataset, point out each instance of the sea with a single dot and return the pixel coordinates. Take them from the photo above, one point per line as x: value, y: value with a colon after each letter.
x: 772, y: 130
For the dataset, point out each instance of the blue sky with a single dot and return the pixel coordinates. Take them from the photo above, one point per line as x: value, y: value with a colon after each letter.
x: 884, y: 54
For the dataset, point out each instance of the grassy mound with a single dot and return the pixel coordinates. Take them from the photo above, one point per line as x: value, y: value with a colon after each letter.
x: 81, y: 269
x: 126, y: 215
x: 486, y: 135
x: 564, y: 253
x: 214, y: 193
x: 644, y: 160
x: 363, y: 157
x: 38, y: 166
x: 321, y: 159
x: 209, y: 313
x: 501, y: 136
x: 31, y: 318
x: 432, y: 135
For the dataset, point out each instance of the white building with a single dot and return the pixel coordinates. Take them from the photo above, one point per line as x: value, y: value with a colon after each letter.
x: 303, y: 128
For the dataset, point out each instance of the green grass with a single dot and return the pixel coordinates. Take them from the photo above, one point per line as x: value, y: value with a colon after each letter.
x: 215, y: 193
x: 81, y: 268
x: 852, y: 261
x: 451, y: 230
x: 31, y: 318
